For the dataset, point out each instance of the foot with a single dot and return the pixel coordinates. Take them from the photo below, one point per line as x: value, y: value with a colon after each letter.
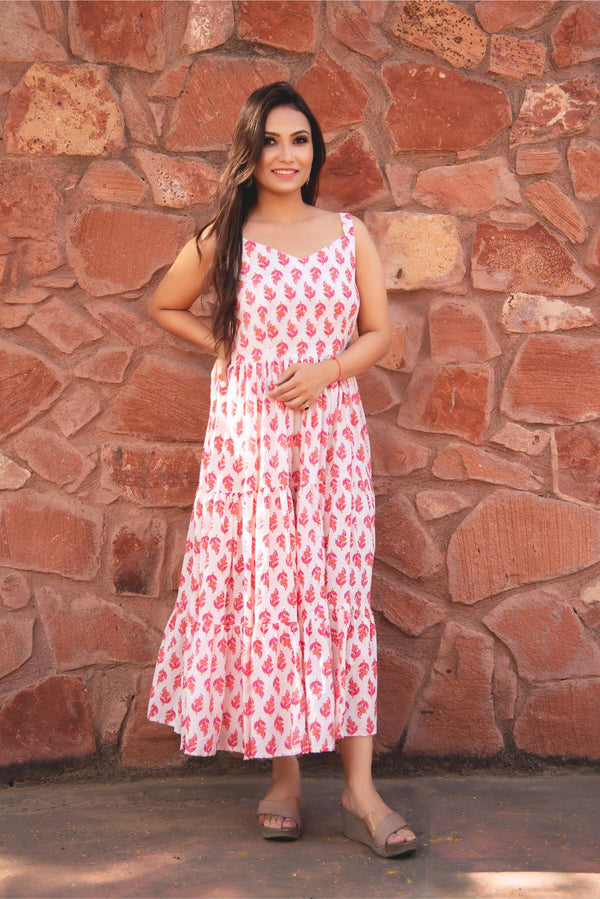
x: 285, y: 788
x: 367, y: 803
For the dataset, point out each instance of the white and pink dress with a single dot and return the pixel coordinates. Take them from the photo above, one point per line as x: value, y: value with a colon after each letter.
x: 271, y: 648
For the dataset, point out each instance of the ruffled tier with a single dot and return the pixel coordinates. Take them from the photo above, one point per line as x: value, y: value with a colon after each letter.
x: 270, y: 649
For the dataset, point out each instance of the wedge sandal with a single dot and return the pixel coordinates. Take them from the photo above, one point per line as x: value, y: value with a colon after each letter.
x: 283, y: 808
x: 355, y: 828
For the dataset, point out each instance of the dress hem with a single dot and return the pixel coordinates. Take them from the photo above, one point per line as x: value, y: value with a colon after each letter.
x: 327, y: 747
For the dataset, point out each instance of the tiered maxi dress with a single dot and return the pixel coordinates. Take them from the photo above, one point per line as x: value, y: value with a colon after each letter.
x: 271, y: 648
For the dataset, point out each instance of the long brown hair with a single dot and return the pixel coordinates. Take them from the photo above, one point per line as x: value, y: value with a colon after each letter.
x: 237, y: 195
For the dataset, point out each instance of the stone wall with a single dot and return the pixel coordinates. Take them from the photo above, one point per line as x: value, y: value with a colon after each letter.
x: 468, y: 136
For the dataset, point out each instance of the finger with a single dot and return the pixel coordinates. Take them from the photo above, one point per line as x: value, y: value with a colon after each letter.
x: 287, y: 374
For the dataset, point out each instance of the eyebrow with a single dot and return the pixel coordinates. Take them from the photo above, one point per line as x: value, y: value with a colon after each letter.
x: 294, y: 133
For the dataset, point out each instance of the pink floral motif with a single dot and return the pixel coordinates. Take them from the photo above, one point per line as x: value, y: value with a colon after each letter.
x: 270, y: 649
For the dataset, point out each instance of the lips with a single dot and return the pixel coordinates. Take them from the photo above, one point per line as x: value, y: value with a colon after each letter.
x: 285, y: 173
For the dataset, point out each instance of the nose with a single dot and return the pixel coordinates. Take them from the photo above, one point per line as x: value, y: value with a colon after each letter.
x: 286, y: 151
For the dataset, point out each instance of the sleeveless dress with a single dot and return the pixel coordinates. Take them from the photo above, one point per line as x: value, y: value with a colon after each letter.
x: 271, y: 648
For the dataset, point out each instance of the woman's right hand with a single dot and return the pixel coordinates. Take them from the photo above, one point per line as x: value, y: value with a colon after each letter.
x: 220, y: 366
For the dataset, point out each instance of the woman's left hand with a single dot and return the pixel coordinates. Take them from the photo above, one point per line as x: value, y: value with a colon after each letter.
x: 303, y: 382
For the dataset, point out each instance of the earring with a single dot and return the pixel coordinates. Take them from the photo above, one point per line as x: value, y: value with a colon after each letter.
x: 250, y: 181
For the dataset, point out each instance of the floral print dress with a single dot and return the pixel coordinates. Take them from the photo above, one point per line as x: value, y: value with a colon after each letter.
x: 271, y: 649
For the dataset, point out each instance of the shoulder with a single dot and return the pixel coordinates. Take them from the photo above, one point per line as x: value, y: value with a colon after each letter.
x: 361, y: 233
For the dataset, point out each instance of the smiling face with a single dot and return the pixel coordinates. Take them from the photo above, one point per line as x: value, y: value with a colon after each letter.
x: 287, y: 156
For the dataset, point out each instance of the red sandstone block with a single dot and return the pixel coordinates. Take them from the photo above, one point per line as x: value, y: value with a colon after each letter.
x: 163, y: 400
x: 16, y: 636
x: 449, y: 399
x: 169, y: 83
x: 147, y: 744
x: 513, y: 58
x: 210, y: 23
x: 351, y: 176
x: 23, y: 39
x: 558, y: 209
x: 393, y: 455
x: 197, y: 125
x: 91, y: 631
x: 512, y: 539
x: 468, y: 189
x: 74, y: 412
x: 584, y: 166
x: 286, y: 25
x: 432, y: 504
x: 576, y: 463
x: 521, y: 440
x: 66, y: 329
x: 137, y: 117
x: 137, y: 552
x: 106, y: 365
x: 565, y: 651
x: 418, y: 250
x: 12, y: 476
x: 47, y: 722
x: 152, y: 475
x: 441, y: 28
x: 53, y: 457
x: 561, y: 719
x: 64, y: 110
x: 402, y: 540
x: 457, y: 462
x: 576, y: 37
x: 29, y: 199
x: 401, y: 178
x: 29, y: 525
x: 459, y: 332
x: 15, y: 592
x: 499, y: 15
x: 112, y: 249
x: 334, y: 94
x: 377, y: 391
x: 37, y: 258
x: 177, y: 183
x: 352, y: 26
x: 399, y: 681
x: 455, y: 715
x: 527, y: 313
x: 525, y: 259
x: 119, y: 32
x: 432, y: 109
x: 552, y: 110
x: 407, y: 336
x: 39, y: 385
x: 127, y: 325
x: 537, y: 160
x: 573, y: 391
x: 411, y: 612
x: 111, y: 181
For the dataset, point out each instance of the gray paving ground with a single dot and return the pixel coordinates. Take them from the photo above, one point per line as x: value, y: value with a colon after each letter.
x: 195, y: 836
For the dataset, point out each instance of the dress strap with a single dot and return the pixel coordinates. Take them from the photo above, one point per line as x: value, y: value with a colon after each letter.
x: 347, y: 224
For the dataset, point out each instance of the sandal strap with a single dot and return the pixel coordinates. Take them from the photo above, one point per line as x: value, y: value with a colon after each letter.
x: 386, y: 827
x: 279, y: 808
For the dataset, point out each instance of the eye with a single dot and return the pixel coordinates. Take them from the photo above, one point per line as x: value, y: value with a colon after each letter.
x: 269, y: 141
x: 301, y: 140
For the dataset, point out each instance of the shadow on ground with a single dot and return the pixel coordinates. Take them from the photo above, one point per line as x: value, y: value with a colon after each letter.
x: 481, y: 836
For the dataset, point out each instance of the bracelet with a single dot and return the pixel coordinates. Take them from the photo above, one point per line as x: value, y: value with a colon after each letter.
x: 337, y: 361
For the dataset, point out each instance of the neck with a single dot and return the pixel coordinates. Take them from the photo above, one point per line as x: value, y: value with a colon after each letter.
x: 275, y: 208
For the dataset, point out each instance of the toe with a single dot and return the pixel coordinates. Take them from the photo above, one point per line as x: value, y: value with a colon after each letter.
x: 404, y: 835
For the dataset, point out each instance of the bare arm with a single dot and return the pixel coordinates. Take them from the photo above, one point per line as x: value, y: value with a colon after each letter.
x: 302, y: 383
x: 181, y: 286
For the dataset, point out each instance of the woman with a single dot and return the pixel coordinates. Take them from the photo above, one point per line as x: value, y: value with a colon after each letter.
x: 270, y: 649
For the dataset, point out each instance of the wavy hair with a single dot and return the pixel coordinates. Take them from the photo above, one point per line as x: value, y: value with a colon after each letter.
x: 237, y: 195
